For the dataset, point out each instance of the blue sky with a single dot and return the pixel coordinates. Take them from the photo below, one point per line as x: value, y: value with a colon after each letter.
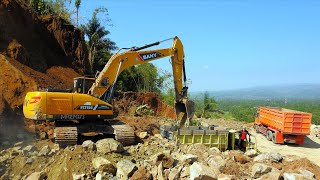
x: 228, y: 44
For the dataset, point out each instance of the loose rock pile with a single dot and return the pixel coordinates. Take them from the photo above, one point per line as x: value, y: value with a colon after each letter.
x: 156, y: 158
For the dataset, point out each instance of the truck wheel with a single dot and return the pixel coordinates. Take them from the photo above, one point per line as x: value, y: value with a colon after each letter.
x: 269, y: 135
x: 256, y: 127
x: 273, y: 138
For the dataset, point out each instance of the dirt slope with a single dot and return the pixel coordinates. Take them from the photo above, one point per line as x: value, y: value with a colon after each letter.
x: 40, y: 42
x: 35, y: 53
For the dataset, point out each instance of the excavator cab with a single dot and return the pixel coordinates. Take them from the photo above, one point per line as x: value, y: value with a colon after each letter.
x: 82, y: 84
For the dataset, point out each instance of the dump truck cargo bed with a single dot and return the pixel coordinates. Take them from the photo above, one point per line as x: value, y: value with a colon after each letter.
x: 209, y: 136
x: 286, y: 120
x: 280, y: 124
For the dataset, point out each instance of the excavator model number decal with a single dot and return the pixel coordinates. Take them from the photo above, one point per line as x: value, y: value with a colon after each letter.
x: 72, y: 116
x: 86, y: 107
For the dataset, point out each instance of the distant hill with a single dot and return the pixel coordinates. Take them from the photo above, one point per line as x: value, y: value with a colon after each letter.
x: 298, y: 91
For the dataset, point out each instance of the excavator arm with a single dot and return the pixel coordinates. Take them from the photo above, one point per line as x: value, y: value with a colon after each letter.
x: 103, y: 86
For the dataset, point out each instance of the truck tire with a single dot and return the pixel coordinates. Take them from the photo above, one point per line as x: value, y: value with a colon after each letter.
x: 256, y: 128
x: 273, y: 138
x: 269, y: 135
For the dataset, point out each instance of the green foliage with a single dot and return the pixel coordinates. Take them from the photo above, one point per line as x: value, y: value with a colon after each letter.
x: 195, y: 123
x: 168, y: 96
x: 99, y: 46
x: 244, y: 110
x: 56, y: 7
x: 167, y: 88
x: 206, y: 106
x: 147, y: 78
x: 142, y: 78
x: 210, y: 105
x: 127, y: 80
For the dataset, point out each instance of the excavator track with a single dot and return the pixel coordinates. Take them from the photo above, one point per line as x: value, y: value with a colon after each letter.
x: 65, y: 136
x: 124, y: 134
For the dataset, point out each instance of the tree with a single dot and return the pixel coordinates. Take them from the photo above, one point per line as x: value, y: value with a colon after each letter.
x: 146, y: 78
x: 99, y: 45
x: 57, y: 7
x: 210, y: 105
x: 77, y: 5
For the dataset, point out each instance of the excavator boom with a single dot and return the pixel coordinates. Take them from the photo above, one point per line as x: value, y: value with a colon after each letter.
x: 135, y: 56
x: 88, y: 108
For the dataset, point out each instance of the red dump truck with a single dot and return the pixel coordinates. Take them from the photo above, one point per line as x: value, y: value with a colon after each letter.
x: 281, y: 125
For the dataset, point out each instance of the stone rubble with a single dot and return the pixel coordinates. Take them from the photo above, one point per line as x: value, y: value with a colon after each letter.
x: 156, y: 158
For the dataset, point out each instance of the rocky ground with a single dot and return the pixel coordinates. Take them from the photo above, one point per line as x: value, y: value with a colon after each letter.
x: 153, y: 158
x: 310, y: 149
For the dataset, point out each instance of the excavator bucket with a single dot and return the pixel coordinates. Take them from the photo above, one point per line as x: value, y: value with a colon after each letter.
x: 184, y: 112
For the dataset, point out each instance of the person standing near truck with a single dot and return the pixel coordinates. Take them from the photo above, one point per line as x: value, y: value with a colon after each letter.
x: 242, y: 137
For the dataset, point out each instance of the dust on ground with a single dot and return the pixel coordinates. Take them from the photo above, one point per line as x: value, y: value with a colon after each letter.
x: 233, y: 124
x: 310, y: 149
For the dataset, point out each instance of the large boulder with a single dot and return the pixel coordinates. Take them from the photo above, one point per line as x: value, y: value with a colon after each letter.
x: 160, y: 175
x: 251, y: 153
x: 274, y: 174
x: 200, y: 171
x: 296, y: 176
x: 103, y: 165
x: 141, y: 174
x: 175, y: 173
x: 165, y: 158
x: 226, y: 177
x: 216, y: 162
x: 185, y: 172
x: 29, y: 148
x: 26, y: 151
x: 125, y: 169
x: 143, y: 135
x: 188, y: 158
x: 88, y: 145
x: 259, y: 169
x: 78, y: 176
x: 214, y: 150
x: 201, y: 150
x: 276, y: 157
x: 273, y: 156
x: 44, y: 151
x: 241, y: 158
x: 37, y: 176
x: 109, y: 145
x: 307, y: 173
x: 29, y: 160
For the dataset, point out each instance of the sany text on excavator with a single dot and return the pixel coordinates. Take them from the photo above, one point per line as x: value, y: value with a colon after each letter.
x: 88, y: 108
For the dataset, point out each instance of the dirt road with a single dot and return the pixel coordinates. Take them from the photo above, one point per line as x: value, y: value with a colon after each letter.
x: 310, y: 149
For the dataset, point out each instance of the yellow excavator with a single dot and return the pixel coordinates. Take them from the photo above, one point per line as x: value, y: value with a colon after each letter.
x: 88, y: 108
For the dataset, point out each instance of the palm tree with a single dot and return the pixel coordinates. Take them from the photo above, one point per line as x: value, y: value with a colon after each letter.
x: 77, y: 4
x: 99, y: 45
